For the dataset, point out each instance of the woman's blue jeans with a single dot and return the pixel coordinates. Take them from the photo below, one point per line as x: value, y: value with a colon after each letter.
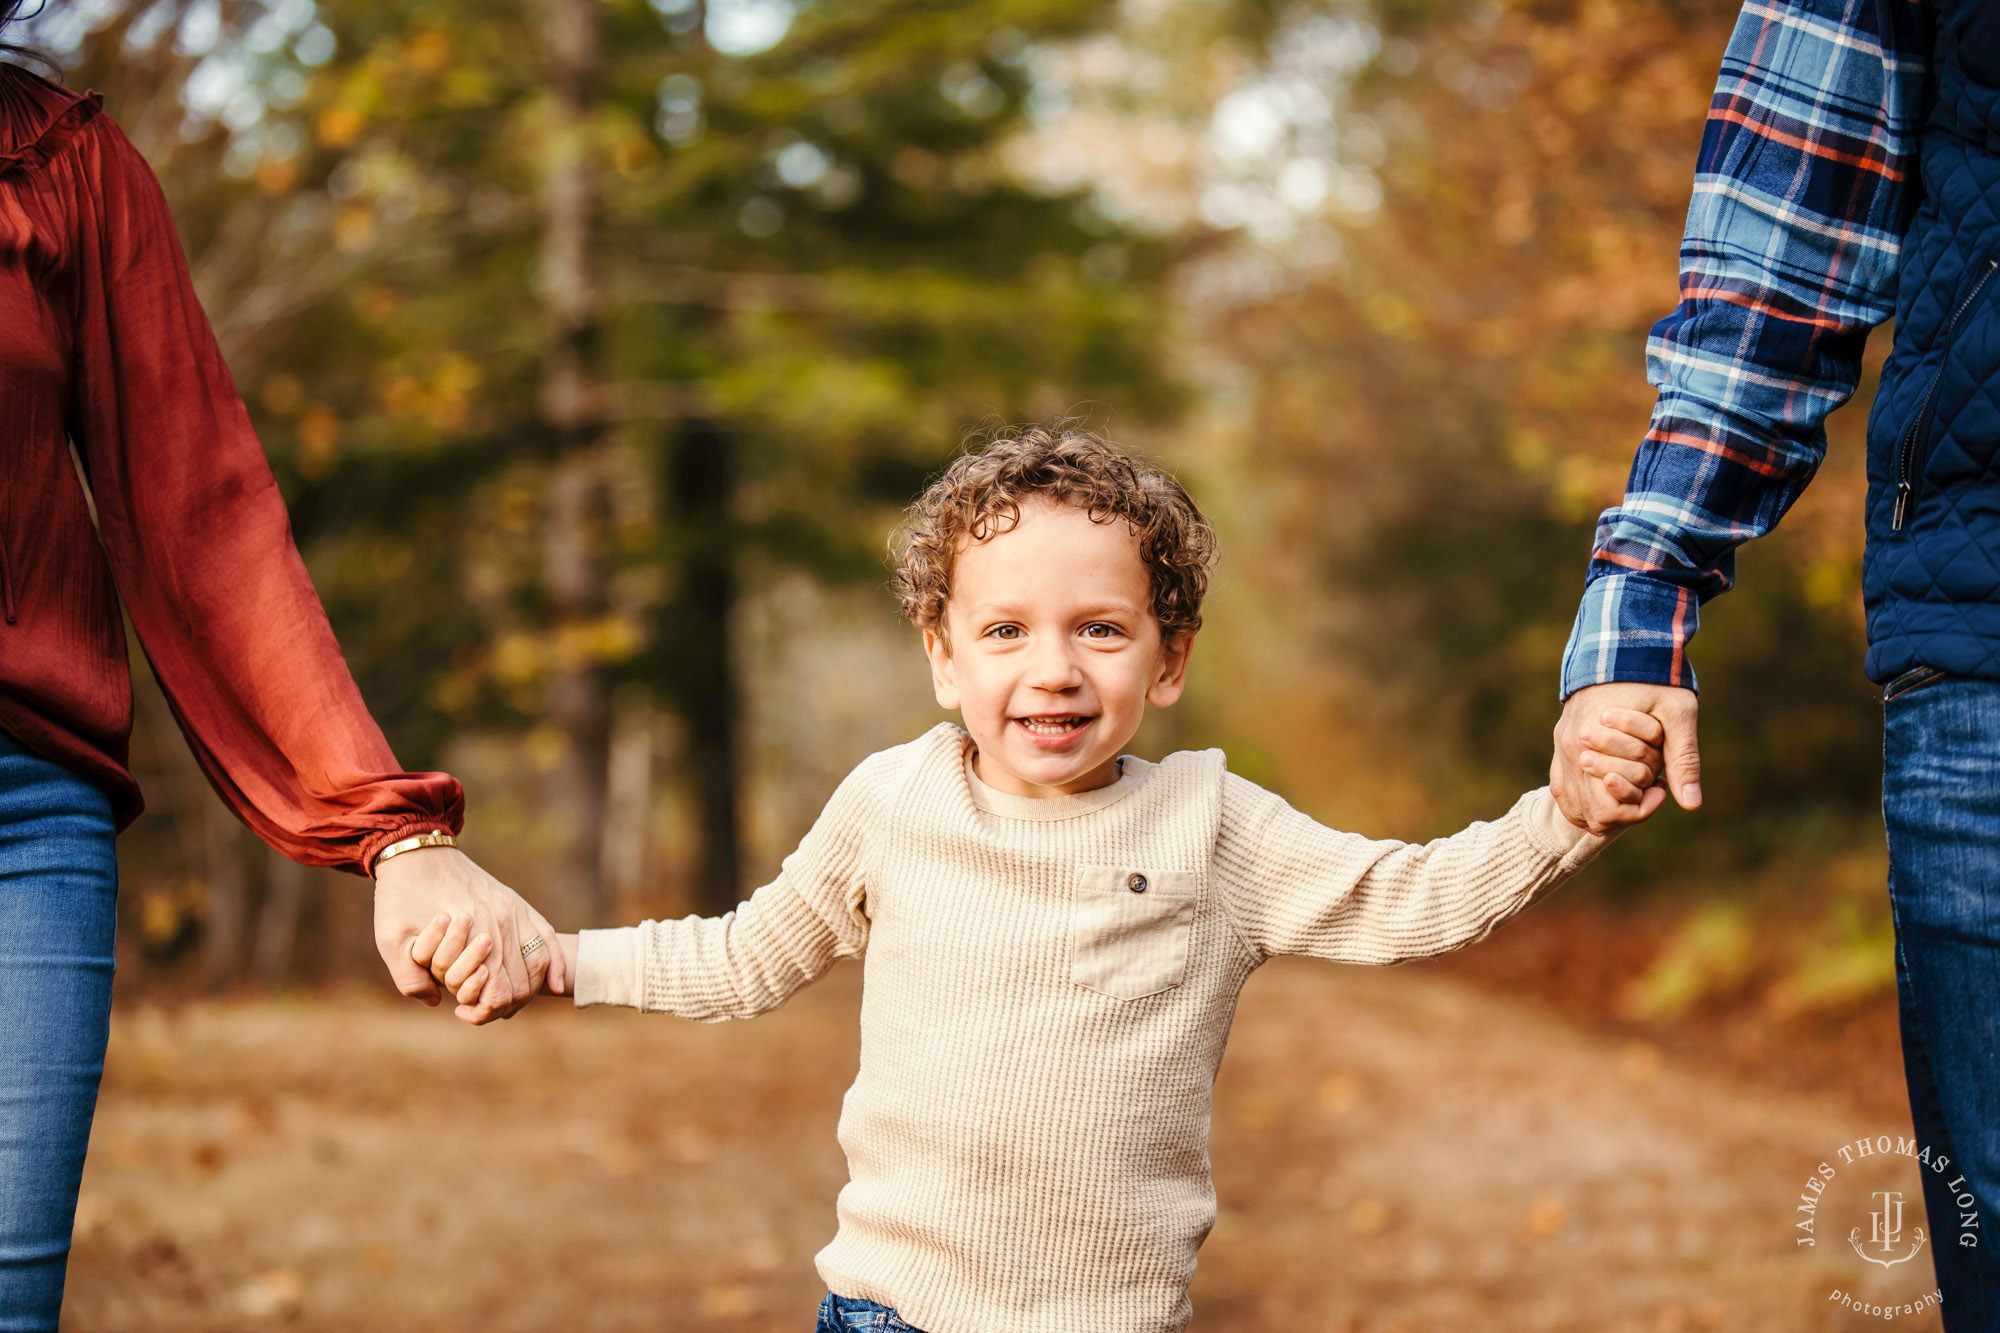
x: 1941, y: 801
x: 58, y: 900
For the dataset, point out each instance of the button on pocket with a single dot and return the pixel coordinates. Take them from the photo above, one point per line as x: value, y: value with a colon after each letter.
x: 1129, y: 929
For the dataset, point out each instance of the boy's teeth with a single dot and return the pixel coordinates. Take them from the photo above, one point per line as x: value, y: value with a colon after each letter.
x: 1050, y: 726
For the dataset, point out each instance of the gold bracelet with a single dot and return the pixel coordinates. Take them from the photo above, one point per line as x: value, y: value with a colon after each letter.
x: 411, y: 844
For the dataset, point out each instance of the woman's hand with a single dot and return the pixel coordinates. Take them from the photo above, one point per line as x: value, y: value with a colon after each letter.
x: 419, y: 885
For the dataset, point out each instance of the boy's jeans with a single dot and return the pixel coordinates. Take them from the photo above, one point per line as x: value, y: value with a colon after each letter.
x: 846, y: 1314
x: 1941, y: 802
x: 58, y: 901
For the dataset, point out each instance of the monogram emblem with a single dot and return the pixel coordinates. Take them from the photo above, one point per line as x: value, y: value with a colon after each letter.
x: 1886, y: 1232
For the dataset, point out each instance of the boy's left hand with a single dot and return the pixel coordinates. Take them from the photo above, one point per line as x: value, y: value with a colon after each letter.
x: 1622, y: 750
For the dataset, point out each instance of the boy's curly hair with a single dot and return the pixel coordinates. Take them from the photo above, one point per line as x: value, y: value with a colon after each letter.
x: 980, y: 495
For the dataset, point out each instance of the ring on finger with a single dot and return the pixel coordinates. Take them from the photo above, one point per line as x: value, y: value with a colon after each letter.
x: 531, y: 946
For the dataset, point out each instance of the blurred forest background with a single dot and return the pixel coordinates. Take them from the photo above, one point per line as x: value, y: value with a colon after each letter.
x: 597, y: 343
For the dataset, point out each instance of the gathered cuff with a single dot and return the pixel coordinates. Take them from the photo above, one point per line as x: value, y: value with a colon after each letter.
x: 372, y: 845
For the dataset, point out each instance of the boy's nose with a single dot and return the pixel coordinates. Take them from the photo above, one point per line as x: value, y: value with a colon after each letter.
x: 1054, y: 667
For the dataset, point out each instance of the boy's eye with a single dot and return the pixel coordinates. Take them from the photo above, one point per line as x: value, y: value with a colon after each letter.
x: 1005, y: 632
x: 1100, y: 630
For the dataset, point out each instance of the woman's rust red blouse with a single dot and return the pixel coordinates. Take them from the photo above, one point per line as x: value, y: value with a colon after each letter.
x: 102, y: 342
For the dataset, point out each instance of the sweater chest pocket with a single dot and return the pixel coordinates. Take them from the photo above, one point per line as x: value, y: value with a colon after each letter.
x: 1130, y: 929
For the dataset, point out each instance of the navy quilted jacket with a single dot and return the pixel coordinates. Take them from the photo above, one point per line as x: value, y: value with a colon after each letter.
x: 1932, y: 576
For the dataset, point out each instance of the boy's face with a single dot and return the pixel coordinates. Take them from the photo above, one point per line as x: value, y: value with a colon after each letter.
x: 1054, y: 651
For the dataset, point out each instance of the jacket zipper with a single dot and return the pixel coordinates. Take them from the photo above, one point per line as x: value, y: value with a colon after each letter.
x: 1908, y: 461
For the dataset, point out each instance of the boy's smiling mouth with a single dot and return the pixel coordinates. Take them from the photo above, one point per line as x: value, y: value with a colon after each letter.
x: 1054, y: 728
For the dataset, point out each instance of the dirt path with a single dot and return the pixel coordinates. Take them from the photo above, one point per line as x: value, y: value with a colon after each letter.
x: 1393, y: 1151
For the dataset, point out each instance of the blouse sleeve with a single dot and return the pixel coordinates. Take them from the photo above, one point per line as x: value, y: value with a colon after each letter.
x: 201, y: 547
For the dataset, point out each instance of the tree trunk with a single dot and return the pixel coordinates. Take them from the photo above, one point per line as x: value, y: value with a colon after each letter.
x: 572, y: 402
x: 700, y: 667
x: 228, y: 918
x: 278, y: 921
x: 628, y: 800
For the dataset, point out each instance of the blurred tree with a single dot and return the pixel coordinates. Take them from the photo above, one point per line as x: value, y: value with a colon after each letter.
x: 579, y: 694
x: 781, y: 265
x: 1458, y: 395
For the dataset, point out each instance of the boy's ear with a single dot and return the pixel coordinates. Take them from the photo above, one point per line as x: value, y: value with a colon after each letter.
x: 944, y: 678
x: 1171, y: 678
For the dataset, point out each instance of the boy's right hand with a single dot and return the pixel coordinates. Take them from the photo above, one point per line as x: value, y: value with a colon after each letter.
x: 1622, y: 750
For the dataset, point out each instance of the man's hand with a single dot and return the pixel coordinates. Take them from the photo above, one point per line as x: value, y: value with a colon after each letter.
x: 419, y: 885
x: 1584, y: 773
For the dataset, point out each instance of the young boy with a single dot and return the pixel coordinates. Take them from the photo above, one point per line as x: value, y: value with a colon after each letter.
x: 1053, y: 935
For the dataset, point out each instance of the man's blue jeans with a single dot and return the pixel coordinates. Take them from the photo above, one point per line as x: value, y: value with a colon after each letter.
x: 1941, y: 801
x: 58, y: 897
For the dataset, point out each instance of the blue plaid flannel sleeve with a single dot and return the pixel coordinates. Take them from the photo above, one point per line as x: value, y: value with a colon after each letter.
x: 1805, y: 185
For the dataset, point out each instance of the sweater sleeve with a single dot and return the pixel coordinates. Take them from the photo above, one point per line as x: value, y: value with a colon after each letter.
x: 1295, y: 886
x: 750, y: 960
x: 201, y: 546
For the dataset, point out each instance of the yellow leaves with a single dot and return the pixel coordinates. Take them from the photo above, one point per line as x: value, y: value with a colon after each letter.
x: 1585, y: 486
x: 166, y: 911
x: 277, y: 175
x: 1831, y: 583
x: 1528, y: 451
x: 517, y: 659
x: 610, y: 638
x: 451, y: 391
x: 437, y: 390
x: 403, y: 396
x: 1712, y: 953
x: 319, y: 441
x: 1513, y: 210
x: 523, y: 658
x: 378, y: 303
x: 339, y: 126
x: 390, y: 559
x: 353, y: 227
x: 428, y: 50
x: 283, y: 395
x: 633, y: 156
x: 1393, y: 315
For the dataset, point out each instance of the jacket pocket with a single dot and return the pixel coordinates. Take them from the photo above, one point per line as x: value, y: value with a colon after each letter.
x: 1130, y: 929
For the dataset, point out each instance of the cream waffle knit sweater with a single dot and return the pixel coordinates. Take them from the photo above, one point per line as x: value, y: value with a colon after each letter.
x: 1047, y: 988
